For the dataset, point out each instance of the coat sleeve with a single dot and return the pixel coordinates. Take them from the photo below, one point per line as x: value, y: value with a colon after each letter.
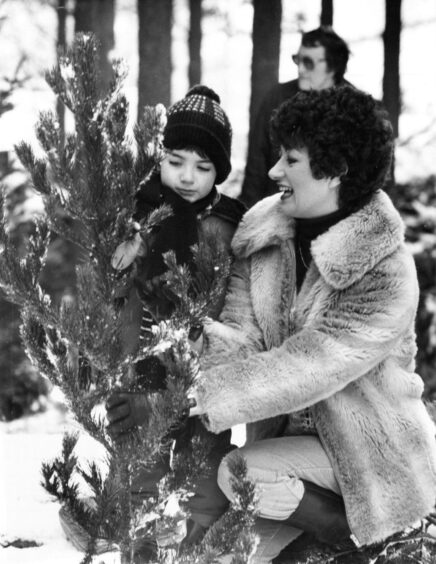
x: 237, y: 334
x: 348, y: 333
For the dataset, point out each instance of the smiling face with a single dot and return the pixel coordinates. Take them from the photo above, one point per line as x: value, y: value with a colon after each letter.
x: 188, y: 174
x: 313, y: 70
x: 303, y: 196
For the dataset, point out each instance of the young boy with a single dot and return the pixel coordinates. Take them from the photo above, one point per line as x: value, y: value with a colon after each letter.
x: 197, y: 138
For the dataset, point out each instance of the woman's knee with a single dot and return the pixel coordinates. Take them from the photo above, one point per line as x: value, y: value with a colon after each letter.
x: 225, y: 475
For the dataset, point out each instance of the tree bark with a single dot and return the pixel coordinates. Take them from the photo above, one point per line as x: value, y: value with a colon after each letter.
x: 155, y: 65
x: 61, y: 44
x: 266, y: 51
x: 194, y: 42
x: 391, y: 76
x: 97, y: 16
x: 327, y: 12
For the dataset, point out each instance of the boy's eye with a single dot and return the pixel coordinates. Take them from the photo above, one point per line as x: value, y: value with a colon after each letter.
x: 290, y: 160
x: 174, y: 163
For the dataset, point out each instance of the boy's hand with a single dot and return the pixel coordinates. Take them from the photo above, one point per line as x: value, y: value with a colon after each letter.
x: 193, y: 403
x: 125, y: 411
x: 196, y: 339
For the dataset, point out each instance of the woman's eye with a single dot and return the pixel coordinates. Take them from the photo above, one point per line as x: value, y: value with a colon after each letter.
x: 290, y: 161
x: 204, y: 169
x: 175, y: 163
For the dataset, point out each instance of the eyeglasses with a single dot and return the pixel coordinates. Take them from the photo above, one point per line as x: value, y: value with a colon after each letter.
x: 307, y: 62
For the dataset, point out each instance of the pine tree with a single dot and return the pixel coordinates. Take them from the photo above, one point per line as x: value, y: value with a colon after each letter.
x: 92, y: 178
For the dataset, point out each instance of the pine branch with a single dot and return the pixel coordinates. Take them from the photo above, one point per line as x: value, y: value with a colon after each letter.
x: 89, y: 185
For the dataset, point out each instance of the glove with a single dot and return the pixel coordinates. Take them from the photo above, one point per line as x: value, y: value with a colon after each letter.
x: 126, y: 411
x: 195, y: 338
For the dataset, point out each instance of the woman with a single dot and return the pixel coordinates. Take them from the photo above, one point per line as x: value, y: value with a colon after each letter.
x: 316, y: 344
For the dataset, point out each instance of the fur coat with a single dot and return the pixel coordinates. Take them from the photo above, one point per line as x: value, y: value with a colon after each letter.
x: 344, y: 346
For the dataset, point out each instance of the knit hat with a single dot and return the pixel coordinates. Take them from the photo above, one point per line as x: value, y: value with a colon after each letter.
x: 198, y: 120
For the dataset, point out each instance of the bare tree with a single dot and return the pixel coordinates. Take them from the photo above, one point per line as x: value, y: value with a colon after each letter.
x: 327, y: 12
x: 194, y: 42
x: 391, y: 76
x: 266, y: 51
x: 97, y: 16
x: 155, y: 65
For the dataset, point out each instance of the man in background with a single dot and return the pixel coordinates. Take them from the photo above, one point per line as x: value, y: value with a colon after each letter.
x: 322, y: 61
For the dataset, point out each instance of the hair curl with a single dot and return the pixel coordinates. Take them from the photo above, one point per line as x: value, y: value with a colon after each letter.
x: 347, y: 135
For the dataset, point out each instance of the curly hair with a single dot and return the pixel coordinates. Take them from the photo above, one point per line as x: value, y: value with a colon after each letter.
x: 346, y: 133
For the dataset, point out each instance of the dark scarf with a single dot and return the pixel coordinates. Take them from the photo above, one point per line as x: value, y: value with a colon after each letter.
x: 307, y: 230
x: 178, y: 232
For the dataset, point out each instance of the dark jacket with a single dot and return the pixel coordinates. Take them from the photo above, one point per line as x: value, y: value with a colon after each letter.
x: 261, y: 153
x: 217, y: 214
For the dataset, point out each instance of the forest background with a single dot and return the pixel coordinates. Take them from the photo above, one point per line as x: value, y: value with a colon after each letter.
x: 239, y: 48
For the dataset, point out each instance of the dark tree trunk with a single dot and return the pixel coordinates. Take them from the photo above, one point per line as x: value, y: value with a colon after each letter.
x: 97, y: 16
x: 194, y: 42
x: 327, y: 12
x: 155, y: 66
x: 61, y: 44
x: 391, y: 76
x: 266, y: 51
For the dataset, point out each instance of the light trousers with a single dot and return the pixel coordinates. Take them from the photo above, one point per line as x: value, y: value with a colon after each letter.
x: 277, y: 467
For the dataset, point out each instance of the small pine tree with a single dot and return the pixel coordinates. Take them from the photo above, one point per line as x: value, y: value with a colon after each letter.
x: 93, y: 177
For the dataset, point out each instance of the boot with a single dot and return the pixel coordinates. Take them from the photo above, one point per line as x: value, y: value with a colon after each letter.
x: 321, y: 512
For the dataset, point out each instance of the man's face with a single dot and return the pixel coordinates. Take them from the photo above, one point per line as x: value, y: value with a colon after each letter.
x: 313, y: 70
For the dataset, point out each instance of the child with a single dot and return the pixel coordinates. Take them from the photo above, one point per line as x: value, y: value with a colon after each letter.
x: 197, y: 138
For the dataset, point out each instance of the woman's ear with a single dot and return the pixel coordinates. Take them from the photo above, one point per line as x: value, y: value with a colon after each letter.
x: 334, y: 183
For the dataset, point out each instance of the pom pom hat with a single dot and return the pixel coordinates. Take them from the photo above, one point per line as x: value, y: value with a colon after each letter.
x: 198, y: 120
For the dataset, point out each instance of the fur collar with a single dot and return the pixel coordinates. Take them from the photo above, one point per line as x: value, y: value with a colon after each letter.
x: 343, y: 254
x: 352, y: 247
x: 262, y: 226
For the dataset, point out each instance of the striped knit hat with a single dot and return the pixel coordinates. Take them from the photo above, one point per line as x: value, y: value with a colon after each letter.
x: 198, y: 120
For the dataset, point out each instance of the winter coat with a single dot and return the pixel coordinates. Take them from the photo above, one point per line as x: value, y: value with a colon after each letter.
x: 344, y: 346
x: 219, y: 219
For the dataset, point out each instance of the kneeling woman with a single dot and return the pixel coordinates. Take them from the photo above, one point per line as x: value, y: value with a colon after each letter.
x: 315, y: 346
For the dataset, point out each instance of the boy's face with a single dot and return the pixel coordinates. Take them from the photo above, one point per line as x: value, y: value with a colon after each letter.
x: 188, y: 174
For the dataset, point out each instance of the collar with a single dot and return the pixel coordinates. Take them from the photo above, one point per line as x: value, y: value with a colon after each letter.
x: 308, y: 229
x: 262, y: 226
x: 344, y: 253
x: 353, y: 246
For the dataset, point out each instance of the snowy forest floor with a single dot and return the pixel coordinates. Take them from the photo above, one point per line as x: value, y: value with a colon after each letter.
x: 30, y: 531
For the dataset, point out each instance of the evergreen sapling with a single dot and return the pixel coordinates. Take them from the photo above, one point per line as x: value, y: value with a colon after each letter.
x: 88, y: 185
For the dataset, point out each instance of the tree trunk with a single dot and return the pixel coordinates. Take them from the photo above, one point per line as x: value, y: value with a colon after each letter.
x: 327, y: 12
x: 391, y: 76
x: 194, y: 42
x: 97, y: 16
x: 266, y: 51
x: 61, y: 44
x: 155, y: 66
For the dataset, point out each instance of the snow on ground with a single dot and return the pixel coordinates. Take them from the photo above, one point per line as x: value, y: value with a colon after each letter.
x: 27, y: 511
